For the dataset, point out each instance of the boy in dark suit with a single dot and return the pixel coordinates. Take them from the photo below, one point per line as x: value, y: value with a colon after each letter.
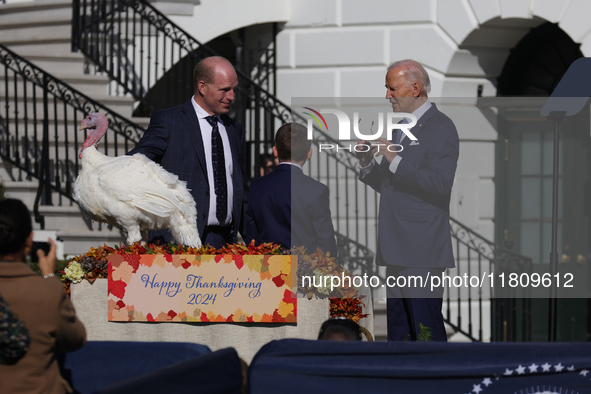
x: 287, y: 207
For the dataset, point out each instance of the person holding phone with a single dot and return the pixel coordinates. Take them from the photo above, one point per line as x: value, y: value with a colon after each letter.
x: 40, y: 302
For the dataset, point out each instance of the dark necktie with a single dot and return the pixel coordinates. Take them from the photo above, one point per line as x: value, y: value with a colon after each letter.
x: 219, y: 171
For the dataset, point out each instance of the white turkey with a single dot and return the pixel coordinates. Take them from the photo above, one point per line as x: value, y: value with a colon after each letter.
x: 132, y: 191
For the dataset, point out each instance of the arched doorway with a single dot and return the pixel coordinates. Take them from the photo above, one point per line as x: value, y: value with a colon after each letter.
x: 524, y: 174
x: 538, y: 62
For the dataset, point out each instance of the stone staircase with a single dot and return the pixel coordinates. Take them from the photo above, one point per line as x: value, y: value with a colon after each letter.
x: 40, y: 31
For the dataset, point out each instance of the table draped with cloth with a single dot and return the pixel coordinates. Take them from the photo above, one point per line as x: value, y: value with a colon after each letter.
x: 90, y: 301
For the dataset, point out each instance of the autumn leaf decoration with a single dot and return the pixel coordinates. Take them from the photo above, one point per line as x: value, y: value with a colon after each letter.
x: 344, y: 301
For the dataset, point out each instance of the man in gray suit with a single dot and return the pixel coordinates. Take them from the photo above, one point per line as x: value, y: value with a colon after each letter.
x: 205, y: 148
x: 415, y: 185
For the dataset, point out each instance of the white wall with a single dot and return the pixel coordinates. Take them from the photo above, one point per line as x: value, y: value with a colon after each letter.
x: 341, y: 48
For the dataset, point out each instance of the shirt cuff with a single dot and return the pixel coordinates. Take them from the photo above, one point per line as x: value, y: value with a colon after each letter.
x: 363, y: 171
x: 394, y: 164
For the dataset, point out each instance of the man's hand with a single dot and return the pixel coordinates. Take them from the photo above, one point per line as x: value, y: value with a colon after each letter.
x: 47, y: 264
x: 366, y: 156
x: 382, y: 149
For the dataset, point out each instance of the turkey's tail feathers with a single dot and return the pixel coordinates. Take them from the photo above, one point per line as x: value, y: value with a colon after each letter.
x: 184, y: 230
x: 187, y: 235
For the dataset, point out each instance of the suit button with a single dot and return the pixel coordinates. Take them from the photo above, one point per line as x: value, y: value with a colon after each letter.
x: 203, y: 215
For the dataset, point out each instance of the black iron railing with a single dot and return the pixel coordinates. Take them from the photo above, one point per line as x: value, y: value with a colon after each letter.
x: 467, y: 306
x: 39, y: 121
x: 152, y: 59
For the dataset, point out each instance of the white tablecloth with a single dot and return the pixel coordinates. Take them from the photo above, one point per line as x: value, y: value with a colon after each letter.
x: 90, y: 301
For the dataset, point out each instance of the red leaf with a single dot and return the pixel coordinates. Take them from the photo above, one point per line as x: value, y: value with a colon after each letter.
x: 117, y: 288
x: 168, y: 258
x: 186, y: 264
x: 134, y: 261
x: 238, y: 261
x: 230, y: 318
x: 250, y: 319
x: 289, y: 297
x: 277, y: 317
x: 172, y: 314
x: 149, y: 317
x: 218, y: 258
x: 120, y: 304
x: 204, y: 317
x: 278, y: 280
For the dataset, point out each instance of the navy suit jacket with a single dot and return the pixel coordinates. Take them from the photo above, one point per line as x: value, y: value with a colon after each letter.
x: 291, y: 209
x: 173, y: 139
x: 414, y: 226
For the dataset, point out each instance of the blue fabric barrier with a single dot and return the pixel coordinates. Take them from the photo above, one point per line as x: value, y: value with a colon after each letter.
x: 297, y: 366
x: 99, y: 364
x: 219, y: 372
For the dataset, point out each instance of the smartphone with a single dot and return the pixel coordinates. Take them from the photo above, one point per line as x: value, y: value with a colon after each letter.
x: 44, y: 246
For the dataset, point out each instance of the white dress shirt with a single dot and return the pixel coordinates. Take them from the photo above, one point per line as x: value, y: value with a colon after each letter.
x: 292, y: 164
x: 206, y: 136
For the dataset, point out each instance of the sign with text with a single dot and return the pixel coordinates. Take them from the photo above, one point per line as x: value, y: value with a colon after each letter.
x: 190, y: 288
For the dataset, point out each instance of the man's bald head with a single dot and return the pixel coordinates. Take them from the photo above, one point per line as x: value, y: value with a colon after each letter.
x: 205, y: 70
x: 215, y: 83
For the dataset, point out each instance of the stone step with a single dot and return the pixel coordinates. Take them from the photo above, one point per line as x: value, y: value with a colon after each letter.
x: 122, y: 106
x: 57, y: 49
x: 73, y: 63
x: 71, y: 121
x: 69, y: 128
x: 24, y: 6
x: 89, y: 85
x: 36, y: 35
x: 24, y: 190
x: 70, y: 68
x: 24, y: 17
x: 70, y: 217
x: 80, y: 242
x: 143, y: 121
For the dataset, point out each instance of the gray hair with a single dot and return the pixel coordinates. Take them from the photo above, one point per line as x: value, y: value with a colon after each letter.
x: 414, y: 72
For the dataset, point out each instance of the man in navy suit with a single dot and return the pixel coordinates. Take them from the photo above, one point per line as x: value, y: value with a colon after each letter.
x: 205, y: 148
x: 286, y: 206
x: 415, y: 184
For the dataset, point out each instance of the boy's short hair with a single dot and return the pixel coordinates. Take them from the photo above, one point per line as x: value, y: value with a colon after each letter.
x: 292, y: 142
x: 340, y: 329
